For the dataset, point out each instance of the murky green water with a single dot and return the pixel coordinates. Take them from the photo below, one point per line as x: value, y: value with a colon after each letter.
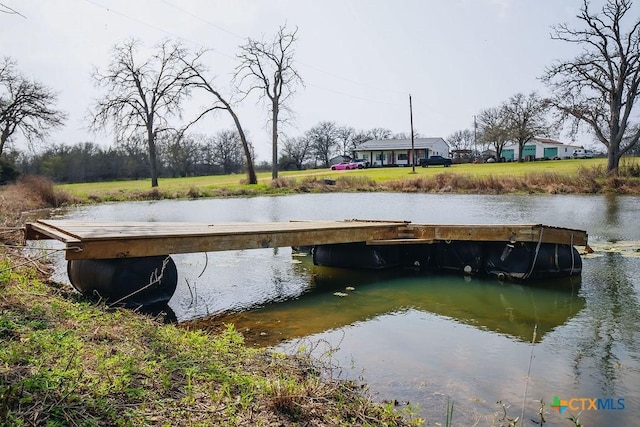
x: 432, y: 339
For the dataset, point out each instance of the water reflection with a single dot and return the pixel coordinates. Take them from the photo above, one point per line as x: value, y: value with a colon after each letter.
x: 612, y: 209
x: 340, y: 297
x: 428, y: 339
x: 609, y: 345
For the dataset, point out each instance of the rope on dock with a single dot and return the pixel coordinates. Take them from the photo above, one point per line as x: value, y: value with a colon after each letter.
x: 572, y: 256
x: 535, y: 257
x: 154, y: 279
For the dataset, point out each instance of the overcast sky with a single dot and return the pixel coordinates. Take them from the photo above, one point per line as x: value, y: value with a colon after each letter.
x: 359, y: 59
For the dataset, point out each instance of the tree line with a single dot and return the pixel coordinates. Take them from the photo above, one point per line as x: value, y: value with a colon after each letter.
x: 182, y: 155
x: 177, y: 156
x: 143, y: 99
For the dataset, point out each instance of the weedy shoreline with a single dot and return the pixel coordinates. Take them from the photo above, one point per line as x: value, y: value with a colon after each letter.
x: 66, y: 360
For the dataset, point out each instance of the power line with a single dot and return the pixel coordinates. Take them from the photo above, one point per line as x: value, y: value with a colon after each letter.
x: 328, y: 73
x: 354, y: 96
x: 10, y: 10
x: 155, y: 27
x: 220, y: 28
x: 193, y: 15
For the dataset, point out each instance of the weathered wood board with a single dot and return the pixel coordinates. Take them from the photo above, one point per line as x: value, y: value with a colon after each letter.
x: 105, y: 240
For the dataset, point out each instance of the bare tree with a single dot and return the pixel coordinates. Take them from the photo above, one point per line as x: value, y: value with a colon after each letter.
x: 493, y: 128
x: 379, y: 133
x: 599, y: 87
x: 222, y: 104
x: 526, y: 118
x: 143, y: 94
x: 180, y: 153
x: 324, y: 141
x: 361, y: 136
x: 135, y: 155
x: 461, y: 139
x: 228, y: 153
x: 344, y: 137
x: 297, y: 150
x: 406, y: 135
x: 267, y: 66
x: 26, y: 106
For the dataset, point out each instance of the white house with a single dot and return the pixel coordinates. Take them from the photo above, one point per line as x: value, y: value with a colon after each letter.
x: 397, y: 152
x: 540, y: 148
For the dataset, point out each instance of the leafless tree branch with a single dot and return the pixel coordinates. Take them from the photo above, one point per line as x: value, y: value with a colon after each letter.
x: 267, y: 67
x: 144, y: 94
x: 599, y: 88
x: 25, y: 106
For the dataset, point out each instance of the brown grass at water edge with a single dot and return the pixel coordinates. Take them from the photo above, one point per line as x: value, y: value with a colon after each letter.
x: 66, y: 360
x: 29, y: 193
x: 562, y: 176
x: 585, y: 181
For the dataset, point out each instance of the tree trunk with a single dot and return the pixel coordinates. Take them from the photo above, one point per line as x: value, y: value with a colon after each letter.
x: 152, y: 157
x: 251, y: 172
x: 3, y: 139
x: 613, y: 159
x: 274, y: 139
x: 520, y: 151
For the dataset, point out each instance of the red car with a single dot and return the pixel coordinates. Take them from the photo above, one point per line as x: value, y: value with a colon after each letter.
x: 344, y: 166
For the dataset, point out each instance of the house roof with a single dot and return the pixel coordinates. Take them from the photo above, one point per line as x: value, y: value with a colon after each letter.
x: 544, y: 142
x: 549, y: 141
x: 398, y: 144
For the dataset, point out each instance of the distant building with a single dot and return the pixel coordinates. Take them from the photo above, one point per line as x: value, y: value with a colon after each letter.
x: 339, y: 159
x: 540, y: 148
x: 397, y: 152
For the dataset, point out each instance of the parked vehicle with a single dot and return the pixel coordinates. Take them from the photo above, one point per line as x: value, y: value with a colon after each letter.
x: 436, y: 160
x: 583, y: 154
x: 361, y: 164
x: 344, y: 166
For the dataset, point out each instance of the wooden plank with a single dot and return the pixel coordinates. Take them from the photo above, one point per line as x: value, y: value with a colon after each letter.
x: 85, y: 240
x: 399, y: 241
x: 108, y: 230
x: 34, y: 231
x: 514, y: 233
x: 116, y: 240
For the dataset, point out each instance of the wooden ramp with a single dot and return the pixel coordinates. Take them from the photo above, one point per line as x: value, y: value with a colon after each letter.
x: 107, y: 240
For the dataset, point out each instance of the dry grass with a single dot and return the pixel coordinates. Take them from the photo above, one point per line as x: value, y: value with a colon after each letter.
x: 549, y: 177
x: 30, y: 193
x: 584, y: 181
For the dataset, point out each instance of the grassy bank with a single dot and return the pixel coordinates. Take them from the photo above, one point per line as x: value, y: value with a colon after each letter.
x: 554, y: 177
x: 67, y: 361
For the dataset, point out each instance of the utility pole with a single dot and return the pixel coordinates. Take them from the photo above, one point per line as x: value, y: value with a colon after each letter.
x: 475, y: 135
x: 413, y: 151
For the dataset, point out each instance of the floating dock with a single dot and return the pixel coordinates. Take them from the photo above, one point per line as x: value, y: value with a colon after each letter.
x: 115, y: 253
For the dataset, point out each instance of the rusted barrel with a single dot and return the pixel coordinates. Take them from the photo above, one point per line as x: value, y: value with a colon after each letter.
x: 128, y: 281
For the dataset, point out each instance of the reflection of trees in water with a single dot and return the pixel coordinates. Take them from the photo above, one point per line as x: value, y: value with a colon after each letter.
x: 612, y: 210
x: 612, y: 321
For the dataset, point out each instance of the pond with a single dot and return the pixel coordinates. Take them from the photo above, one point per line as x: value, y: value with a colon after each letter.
x: 431, y: 339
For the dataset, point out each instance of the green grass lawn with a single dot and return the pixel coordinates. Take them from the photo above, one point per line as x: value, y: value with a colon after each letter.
x: 236, y: 182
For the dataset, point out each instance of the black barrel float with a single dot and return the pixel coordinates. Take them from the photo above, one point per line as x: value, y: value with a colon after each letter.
x: 459, y: 256
x: 528, y: 260
x: 356, y: 255
x: 127, y: 281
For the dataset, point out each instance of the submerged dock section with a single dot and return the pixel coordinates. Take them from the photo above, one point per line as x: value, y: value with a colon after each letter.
x: 107, y: 255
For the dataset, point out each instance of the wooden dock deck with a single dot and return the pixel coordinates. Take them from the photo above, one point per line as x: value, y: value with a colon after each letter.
x: 109, y: 240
